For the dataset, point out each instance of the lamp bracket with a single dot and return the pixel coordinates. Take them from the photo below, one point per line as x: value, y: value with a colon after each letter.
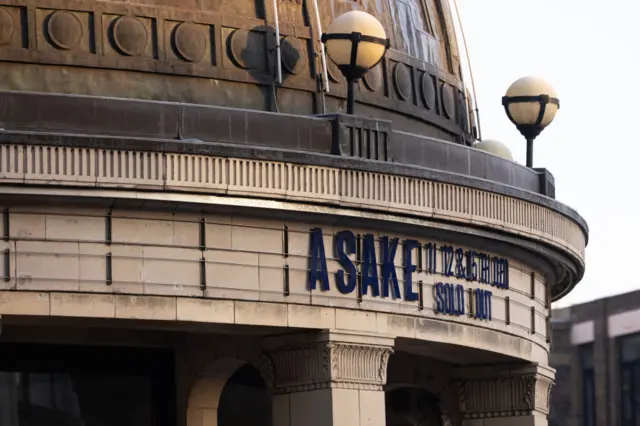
x: 352, y: 71
x: 543, y: 99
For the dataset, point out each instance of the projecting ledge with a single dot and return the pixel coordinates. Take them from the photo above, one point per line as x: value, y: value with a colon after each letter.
x: 187, y: 310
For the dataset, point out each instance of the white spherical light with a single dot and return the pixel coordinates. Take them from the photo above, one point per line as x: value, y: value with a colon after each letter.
x: 369, y: 54
x: 495, y: 148
x: 527, y: 112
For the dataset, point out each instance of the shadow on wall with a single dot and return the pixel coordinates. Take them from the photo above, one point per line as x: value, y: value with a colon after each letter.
x: 255, y: 51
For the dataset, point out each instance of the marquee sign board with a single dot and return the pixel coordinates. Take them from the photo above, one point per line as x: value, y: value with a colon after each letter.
x: 369, y: 267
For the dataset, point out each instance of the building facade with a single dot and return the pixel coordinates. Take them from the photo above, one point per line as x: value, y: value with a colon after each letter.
x: 596, y: 354
x: 186, y: 242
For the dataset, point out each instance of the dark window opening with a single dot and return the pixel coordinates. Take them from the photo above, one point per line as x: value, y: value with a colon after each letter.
x: 561, y: 397
x: 43, y: 385
x: 629, y: 361
x: 588, y: 385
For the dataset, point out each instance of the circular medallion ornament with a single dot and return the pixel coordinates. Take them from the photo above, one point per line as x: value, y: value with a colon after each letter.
x: 428, y: 91
x: 334, y: 72
x: 373, y: 79
x: 130, y: 35
x: 7, y: 27
x: 189, y: 42
x: 243, y: 49
x: 448, y: 100
x: 64, y: 29
x: 293, y: 56
x: 402, y: 81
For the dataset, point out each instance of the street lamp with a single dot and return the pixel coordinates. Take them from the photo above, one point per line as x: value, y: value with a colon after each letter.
x: 355, y: 42
x: 531, y: 104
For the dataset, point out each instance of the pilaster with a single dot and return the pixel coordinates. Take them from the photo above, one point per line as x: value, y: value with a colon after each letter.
x: 327, y: 378
x: 520, y: 393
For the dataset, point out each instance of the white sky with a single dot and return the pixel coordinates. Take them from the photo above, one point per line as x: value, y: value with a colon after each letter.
x: 590, y: 52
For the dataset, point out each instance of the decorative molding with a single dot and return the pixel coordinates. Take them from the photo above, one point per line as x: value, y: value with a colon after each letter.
x: 328, y: 364
x: 519, y: 394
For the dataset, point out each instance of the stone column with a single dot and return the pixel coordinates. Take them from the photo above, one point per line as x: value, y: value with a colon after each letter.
x: 504, y: 396
x: 328, y: 378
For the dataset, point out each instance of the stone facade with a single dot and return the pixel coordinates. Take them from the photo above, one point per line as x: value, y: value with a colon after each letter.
x: 171, y: 259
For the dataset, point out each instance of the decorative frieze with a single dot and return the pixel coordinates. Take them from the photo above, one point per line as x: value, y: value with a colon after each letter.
x: 101, y: 168
x: 329, y: 362
x: 504, y: 393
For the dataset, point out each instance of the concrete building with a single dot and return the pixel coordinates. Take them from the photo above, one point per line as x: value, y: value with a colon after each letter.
x: 596, y: 352
x: 188, y: 241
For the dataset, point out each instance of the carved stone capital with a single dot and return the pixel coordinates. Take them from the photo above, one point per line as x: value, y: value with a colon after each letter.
x: 499, y: 392
x: 323, y: 360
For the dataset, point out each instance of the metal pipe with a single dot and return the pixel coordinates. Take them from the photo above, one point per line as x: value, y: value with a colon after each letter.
x: 473, y: 83
x: 278, y: 52
x: 467, y: 103
x: 325, y: 75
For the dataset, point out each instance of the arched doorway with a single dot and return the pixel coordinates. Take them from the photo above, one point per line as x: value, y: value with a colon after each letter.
x: 412, y: 406
x: 229, y: 392
x: 245, y: 400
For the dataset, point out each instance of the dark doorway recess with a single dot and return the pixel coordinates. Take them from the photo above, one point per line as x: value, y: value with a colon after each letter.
x: 411, y: 406
x: 245, y: 400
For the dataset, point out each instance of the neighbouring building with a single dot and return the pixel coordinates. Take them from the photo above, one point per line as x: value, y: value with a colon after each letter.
x: 596, y: 354
x: 185, y: 242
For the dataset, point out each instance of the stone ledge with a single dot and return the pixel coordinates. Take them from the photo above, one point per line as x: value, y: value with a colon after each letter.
x: 168, y: 308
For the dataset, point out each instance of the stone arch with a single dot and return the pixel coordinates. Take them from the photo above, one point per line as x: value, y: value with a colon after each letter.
x: 203, y: 407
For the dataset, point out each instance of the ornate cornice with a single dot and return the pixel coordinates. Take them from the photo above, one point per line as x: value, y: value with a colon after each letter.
x: 517, y: 393
x: 327, y: 364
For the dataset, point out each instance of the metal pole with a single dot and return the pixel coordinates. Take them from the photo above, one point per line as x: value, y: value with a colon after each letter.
x: 351, y: 80
x: 278, y: 52
x: 529, y: 152
x: 351, y: 99
x: 325, y: 76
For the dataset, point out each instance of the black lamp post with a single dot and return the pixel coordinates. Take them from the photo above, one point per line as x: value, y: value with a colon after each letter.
x: 531, y: 104
x: 355, y: 42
